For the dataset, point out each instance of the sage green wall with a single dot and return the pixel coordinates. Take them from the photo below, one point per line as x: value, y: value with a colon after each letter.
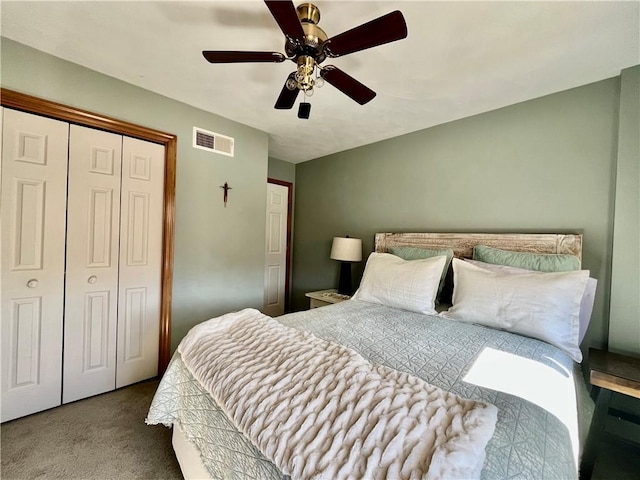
x: 219, y: 252
x: 545, y: 165
x: 624, y: 329
x: 281, y: 170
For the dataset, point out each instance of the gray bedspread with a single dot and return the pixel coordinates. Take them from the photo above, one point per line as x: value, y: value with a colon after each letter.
x: 531, y: 383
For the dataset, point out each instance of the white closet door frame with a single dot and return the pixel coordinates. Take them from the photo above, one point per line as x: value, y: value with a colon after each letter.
x: 140, y: 261
x: 34, y: 196
x: 28, y: 103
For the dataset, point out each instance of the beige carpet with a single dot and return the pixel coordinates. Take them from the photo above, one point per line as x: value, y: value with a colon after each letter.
x: 102, y: 437
x: 105, y: 437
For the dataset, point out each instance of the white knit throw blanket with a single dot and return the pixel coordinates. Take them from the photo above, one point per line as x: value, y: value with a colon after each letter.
x: 319, y: 410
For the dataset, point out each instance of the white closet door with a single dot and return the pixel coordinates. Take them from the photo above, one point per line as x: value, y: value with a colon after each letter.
x: 140, y: 261
x: 275, y: 249
x: 34, y: 195
x: 92, y: 263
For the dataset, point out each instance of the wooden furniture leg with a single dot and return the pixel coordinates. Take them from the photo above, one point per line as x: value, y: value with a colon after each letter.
x: 595, y: 432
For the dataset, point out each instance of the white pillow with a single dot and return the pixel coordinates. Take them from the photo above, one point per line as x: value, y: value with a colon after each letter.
x: 586, y: 305
x: 539, y: 305
x: 407, y: 284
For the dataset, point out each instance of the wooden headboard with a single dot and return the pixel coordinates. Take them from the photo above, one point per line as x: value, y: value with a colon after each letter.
x: 462, y: 243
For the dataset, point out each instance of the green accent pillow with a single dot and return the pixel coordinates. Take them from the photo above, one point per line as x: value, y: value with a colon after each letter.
x: 541, y: 262
x: 415, y: 253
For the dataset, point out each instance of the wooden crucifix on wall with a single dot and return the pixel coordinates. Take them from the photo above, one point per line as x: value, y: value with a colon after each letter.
x: 225, y: 196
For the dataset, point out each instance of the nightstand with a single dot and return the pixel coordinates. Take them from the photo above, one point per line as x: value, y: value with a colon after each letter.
x: 322, y: 298
x: 609, y: 372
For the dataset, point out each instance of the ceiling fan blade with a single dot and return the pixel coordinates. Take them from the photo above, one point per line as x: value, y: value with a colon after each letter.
x: 285, y: 15
x: 215, y: 56
x: 287, y: 97
x: 385, y: 29
x: 347, y: 84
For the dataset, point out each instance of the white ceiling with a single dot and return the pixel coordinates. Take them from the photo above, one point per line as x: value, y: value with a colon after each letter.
x: 459, y: 59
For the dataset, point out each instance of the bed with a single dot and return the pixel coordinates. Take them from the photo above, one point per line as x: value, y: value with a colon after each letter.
x: 535, y: 387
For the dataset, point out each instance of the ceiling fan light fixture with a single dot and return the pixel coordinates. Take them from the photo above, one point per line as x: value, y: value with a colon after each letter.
x: 291, y: 84
x: 304, y: 73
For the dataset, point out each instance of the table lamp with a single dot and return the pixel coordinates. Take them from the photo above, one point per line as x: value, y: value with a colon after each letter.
x: 346, y: 250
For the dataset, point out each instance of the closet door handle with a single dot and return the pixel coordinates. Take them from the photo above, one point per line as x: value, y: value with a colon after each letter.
x: 92, y: 279
x: 33, y: 283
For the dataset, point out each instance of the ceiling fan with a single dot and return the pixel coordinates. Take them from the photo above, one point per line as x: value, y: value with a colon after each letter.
x: 308, y: 46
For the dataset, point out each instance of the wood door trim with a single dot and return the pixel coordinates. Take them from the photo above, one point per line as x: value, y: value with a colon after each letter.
x: 287, y: 284
x: 58, y: 111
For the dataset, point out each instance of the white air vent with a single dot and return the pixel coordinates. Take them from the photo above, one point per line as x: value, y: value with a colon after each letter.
x: 212, y: 142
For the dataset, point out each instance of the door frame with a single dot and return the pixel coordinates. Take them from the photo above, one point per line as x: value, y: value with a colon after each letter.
x: 287, y: 280
x: 58, y: 111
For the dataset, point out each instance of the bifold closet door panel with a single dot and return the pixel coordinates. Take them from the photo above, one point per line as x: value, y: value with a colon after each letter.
x: 91, y: 290
x: 140, y: 261
x: 32, y: 238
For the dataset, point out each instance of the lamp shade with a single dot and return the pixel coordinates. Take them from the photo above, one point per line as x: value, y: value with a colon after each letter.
x: 346, y: 249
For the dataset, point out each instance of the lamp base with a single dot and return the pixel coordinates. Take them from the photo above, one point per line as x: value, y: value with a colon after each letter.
x: 344, y: 282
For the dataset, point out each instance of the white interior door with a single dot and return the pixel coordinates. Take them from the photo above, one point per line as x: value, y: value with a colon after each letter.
x: 32, y: 238
x: 95, y: 159
x: 140, y: 261
x: 275, y: 249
